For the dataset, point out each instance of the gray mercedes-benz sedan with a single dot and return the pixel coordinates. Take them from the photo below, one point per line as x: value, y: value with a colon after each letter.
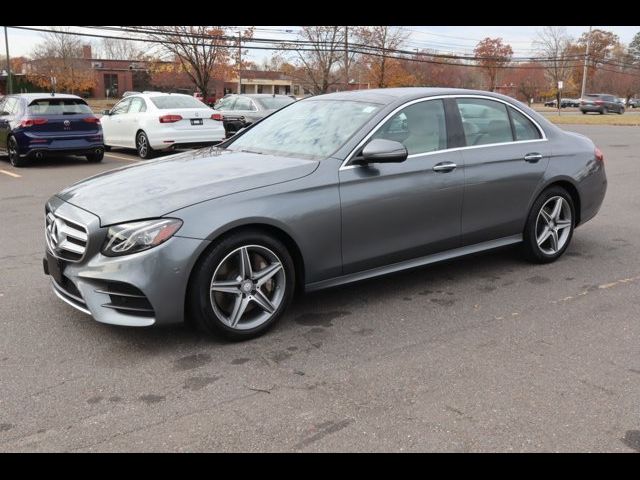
x: 329, y: 190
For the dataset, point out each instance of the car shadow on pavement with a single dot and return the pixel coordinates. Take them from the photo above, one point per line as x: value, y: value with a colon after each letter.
x: 57, y: 162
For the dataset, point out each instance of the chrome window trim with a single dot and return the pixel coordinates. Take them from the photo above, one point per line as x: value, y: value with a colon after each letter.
x: 345, y: 164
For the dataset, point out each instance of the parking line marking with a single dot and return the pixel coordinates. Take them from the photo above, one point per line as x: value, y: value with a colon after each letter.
x: 11, y: 174
x: 111, y: 155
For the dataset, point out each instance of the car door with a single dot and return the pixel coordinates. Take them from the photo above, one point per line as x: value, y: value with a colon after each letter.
x: 397, y: 211
x: 505, y: 157
x: 130, y: 121
x: 112, y: 127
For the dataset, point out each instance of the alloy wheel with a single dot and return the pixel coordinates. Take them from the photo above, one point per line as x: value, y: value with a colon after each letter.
x: 12, y: 150
x: 553, y: 225
x: 247, y: 287
x: 143, y: 145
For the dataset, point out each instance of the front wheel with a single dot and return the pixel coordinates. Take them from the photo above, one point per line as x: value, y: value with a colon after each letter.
x: 604, y: 111
x: 550, y: 225
x: 145, y: 151
x: 242, y: 286
x: 621, y: 111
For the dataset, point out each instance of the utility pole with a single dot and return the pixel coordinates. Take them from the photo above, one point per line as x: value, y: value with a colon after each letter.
x: 346, y: 57
x: 239, y: 62
x: 586, y: 58
x: 9, y: 79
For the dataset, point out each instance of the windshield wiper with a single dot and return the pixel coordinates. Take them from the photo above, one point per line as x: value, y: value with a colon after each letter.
x: 250, y: 151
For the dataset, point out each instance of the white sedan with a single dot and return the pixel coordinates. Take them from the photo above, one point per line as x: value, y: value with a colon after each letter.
x: 153, y: 121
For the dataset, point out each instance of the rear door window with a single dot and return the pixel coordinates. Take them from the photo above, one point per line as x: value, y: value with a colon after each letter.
x: 484, y: 121
x: 58, y: 106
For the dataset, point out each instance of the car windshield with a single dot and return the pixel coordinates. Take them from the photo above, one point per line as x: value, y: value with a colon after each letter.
x: 58, y: 106
x: 166, y: 102
x: 273, y: 103
x: 309, y: 129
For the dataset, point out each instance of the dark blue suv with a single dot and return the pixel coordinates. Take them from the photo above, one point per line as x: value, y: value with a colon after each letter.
x: 34, y: 125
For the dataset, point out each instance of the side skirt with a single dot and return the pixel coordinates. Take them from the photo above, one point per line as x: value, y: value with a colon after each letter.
x: 415, y: 262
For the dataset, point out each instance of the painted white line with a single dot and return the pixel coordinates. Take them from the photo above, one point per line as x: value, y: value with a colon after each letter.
x: 11, y: 174
x: 128, y: 159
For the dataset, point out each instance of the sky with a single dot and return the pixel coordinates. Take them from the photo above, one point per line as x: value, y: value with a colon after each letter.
x: 461, y: 39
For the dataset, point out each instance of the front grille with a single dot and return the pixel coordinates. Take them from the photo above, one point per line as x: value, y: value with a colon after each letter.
x: 127, y: 299
x: 66, y: 239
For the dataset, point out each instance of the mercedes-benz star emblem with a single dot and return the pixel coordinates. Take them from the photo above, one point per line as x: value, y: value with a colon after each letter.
x: 54, y: 230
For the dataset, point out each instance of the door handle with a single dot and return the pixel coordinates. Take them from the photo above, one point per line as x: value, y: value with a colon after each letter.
x: 444, y: 167
x: 533, y: 157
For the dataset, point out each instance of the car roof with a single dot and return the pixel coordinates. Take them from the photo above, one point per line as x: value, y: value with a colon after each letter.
x: 403, y: 94
x: 32, y: 96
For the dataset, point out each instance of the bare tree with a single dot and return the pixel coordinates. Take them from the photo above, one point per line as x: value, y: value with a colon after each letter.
x: 202, y: 52
x: 384, y: 71
x: 318, y: 59
x: 60, y: 55
x: 554, y: 44
x: 119, y: 49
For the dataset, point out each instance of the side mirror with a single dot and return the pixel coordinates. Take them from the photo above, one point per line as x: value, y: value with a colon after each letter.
x: 106, y: 112
x: 380, y: 150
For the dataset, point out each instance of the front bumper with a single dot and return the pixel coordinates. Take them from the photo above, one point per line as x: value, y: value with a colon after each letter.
x: 142, y: 289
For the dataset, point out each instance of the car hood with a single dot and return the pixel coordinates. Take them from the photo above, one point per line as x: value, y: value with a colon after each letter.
x: 155, y: 188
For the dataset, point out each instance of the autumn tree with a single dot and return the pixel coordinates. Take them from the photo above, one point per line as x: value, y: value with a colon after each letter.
x: 528, y: 79
x: 60, y: 55
x: 383, y: 69
x: 492, y: 55
x: 202, y: 52
x: 600, y: 50
x: 316, y: 62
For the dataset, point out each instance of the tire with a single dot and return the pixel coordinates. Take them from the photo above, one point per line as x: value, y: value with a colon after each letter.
x: 604, y: 111
x: 584, y: 112
x: 539, y: 248
x: 14, y: 157
x: 107, y: 148
x: 145, y: 151
x: 213, y: 310
x: 95, y: 157
x: 621, y: 111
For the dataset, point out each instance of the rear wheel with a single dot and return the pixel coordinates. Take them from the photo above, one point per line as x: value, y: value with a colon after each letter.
x: 621, y: 110
x: 604, y: 111
x: 14, y: 156
x: 242, y: 286
x: 142, y: 145
x: 550, y: 225
x: 95, y: 157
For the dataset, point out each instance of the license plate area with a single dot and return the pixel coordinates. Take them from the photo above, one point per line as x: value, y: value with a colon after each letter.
x: 55, y: 268
x: 196, y: 121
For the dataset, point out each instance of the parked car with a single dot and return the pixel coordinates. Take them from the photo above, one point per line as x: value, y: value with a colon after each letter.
x: 564, y: 103
x: 634, y: 103
x: 35, y: 125
x: 328, y: 190
x: 155, y: 121
x: 240, y: 111
x: 551, y: 103
x: 601, y: 103
x: 622, y: 101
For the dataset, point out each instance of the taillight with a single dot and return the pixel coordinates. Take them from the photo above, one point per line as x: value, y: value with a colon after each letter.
x: 599, y: 102
x: 92, y: 120
x: 170, y: 118
x: 599, y: 155
x: 30, y: 122
x: 216, y: 116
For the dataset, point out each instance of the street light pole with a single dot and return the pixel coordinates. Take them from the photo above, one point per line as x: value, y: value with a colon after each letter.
x: 9, y: 79
x: 584, y: 71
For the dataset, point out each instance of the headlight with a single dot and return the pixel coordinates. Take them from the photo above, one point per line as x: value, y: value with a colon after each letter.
x: 135, y: 237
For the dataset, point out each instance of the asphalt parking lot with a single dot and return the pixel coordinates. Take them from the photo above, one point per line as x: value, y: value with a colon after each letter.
x: 487, y: 353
